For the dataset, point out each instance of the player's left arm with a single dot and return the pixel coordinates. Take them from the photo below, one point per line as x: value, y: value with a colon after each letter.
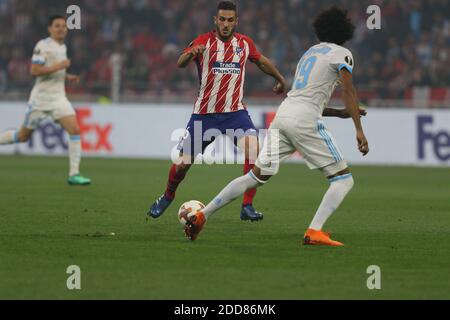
x: 350, y: 99
x: 73, y: 79
x: 341, y: 113
x: 266, y: 66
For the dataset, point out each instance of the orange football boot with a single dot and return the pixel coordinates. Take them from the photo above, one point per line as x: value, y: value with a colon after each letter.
x: 319, y: 237
x: 194, y: 225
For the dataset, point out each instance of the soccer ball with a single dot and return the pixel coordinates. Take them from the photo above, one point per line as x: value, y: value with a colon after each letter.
x: 188, y: 209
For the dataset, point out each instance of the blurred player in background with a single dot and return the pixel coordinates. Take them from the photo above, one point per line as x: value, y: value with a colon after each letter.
x: 298, y: 126
x: 48, y: 97
x: 220, y: 56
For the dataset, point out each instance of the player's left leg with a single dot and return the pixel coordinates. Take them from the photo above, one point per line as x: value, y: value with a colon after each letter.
x: 249, y: 144
x: 70, y: 125
x: 341, y: 182
x: 246, y: 139
x: 321, y: 152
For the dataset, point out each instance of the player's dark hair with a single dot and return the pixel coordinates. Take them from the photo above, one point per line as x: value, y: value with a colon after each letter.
x: 227, y: 5
x: 53, y: 18
x: 333, y: 25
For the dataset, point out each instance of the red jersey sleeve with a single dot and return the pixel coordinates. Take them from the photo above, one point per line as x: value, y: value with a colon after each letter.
x: 254, y: 54
x: 201, y: 39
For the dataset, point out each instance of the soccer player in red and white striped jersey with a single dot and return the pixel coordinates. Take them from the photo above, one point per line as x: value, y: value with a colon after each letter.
x: 221, y: 57
x: 221, y: 66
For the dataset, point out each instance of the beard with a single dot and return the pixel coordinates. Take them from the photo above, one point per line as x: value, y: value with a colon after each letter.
x: 229, y: 34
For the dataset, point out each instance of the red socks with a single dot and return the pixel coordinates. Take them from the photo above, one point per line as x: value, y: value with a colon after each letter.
x: 249, y: 194
x: 174, y: 180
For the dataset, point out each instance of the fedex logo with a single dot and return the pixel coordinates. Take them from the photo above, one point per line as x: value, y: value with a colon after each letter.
x: 439, y: 139
x: 99, y: 133
x: 51, y: 136
x: 94, y: 136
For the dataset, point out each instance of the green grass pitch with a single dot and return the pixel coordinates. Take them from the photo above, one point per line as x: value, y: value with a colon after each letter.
x: 395, y: 217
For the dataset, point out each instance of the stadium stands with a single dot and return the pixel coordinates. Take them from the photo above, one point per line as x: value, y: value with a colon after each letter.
x: 408, y: 59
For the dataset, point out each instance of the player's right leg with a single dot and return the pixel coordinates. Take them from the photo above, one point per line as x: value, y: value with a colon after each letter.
x: 31, y: 122
x: 236, y: 188
x: 276, y: 147
x: 15, y: 136
x: 177, y: 174
x: 190, y: 146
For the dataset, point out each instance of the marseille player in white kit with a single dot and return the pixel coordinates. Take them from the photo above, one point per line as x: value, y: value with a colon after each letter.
x: 48, y: 97
x: 298, y: 126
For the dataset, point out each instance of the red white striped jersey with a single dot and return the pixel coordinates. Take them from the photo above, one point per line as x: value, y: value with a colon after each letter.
x: 221, y: 70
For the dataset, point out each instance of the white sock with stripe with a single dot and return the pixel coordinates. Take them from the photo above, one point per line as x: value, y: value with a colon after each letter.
x: 234, y: 189
x: 339, y: 187
x: 74, y: 155
x: 9, y: 137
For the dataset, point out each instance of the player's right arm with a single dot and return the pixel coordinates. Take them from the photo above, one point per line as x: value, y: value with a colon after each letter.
x: 37, y: 70
x: 193, y: 51
x: 186, y: 57
x: 38, y: 60
x: 352, y: 106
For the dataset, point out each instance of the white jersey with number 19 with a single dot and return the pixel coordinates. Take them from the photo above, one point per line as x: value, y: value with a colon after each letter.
x: 298, y: 124
x: 317, y: 75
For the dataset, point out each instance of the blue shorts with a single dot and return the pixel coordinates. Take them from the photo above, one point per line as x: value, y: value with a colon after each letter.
x: 203, y: 129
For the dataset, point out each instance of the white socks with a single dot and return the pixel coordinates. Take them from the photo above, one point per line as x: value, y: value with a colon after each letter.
x: 74, y: 154
x: 339, y: 187
x: 233, y: 190
x: 9, y: 137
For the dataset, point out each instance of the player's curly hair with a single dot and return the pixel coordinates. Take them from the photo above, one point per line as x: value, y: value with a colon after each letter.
x: 333, y: 25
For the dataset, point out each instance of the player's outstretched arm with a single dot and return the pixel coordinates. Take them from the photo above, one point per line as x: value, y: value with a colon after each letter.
x: 352, y: 106
x: 341, y: 113
x: 186, y: 57
x: 37, y: 70
x: 266, y: 66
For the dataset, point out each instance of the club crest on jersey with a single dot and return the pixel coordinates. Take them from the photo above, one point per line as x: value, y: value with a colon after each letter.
x: 226, y: 68
x: 239, y: 51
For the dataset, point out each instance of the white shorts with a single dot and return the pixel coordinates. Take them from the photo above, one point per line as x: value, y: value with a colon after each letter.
x: 309, y: 137
x: 56, y: 110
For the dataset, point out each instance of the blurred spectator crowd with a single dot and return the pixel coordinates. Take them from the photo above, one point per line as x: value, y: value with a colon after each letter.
x: 411, y: 49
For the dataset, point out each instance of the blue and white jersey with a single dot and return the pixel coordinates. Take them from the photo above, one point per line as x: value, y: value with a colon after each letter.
x: 317, y: 76
x: 51, y: 87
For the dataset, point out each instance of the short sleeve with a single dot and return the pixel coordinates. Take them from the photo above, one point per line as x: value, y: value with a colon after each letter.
x: 254, y: 54
x: 342, y: 58
x: 197, y: 41
x: 38, y: 54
